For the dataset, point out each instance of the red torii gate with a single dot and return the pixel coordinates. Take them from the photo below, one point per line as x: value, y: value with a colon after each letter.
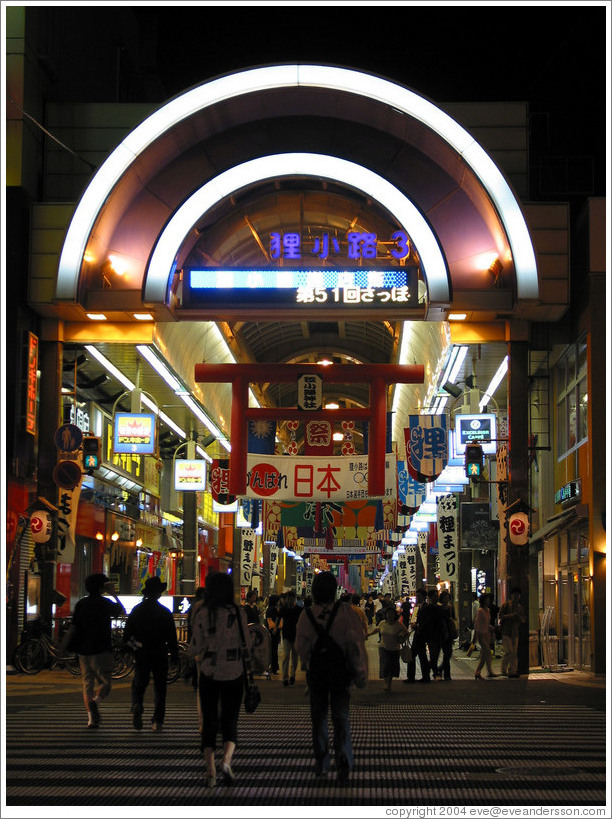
x: 378, y: 376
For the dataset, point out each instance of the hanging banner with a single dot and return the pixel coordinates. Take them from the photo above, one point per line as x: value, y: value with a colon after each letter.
x: 299, y: 574
x: 423, y: 539
x: 247, y: 556
x: 67, y: 509
x: 411, y: 568
x: 318, y: 438
x: 448, y: 536
x: 219, y: 481
x: 426, y: 446
x: 314, y: 478
x: 402, y: 574
x: 411, y: 493
x: 273, y: 567
x: 262, y: 437
x: 309, y: 579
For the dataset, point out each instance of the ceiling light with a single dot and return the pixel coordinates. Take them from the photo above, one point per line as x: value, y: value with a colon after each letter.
x: 457, y: 316
x: 160, y: 367
x: 495, y: 382
x: 119, y: 265
x: 96, y: 316
x: 143, y: 316
x: 332, y: 405
x: 338, y: 436
x: 129, y: 385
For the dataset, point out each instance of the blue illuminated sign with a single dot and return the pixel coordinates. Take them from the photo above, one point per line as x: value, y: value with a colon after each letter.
x: 396, y: 287
x: 134, y: 433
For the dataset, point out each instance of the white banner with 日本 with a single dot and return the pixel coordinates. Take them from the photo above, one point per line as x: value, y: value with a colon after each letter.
x: 448, y: 536
x: 314, y: 478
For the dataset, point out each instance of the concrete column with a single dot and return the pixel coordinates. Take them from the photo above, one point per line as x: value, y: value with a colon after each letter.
x: 517, y: 557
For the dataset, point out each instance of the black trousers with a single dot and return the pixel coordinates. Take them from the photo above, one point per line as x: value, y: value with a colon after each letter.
x: 146, y: 664
x: 227, y: 692
x: 419, y: 649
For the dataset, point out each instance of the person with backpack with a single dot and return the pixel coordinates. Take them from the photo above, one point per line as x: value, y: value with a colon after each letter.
x: 331, y: 645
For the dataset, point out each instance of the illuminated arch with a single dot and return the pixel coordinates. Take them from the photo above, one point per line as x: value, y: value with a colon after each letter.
x: 301, y: 164
x: 282, y: 76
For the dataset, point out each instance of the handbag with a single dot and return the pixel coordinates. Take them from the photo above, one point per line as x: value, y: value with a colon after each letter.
x: 252, y: 695
x: 406, y: 653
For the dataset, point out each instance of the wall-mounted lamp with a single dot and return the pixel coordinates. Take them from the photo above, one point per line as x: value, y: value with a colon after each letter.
x: 115, y: 536
x: 138, y: 543
x: 99, y: 536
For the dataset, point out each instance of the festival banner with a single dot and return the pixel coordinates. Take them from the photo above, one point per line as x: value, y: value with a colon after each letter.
x: 411, y: 493
x: 448, y: 536
x: 314, y: 478
x: 219, y: 481
x: 423, y: 539
x: 318, y: 438
x: 247, y: 556
x: 273, y: 566
x: 426, y: 446
x: 67, y: 509
x: 411, y: 568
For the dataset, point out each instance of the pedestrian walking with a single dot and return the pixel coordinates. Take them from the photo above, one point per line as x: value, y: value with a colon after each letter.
x: 289, y: 614
x: 355, y: 600
x: 251, y: 609
x: 512, y: 617
x: 216, y: 645
x: 331, y: 645
x: 393, y: 634
x: 92, y: 641
x: 435, y: 634
x: 194, y: 672
x: 150, y: 633
x: 273, y: 622
x: 420, y: 625
x: 449, y: 632
x: 484, y: 629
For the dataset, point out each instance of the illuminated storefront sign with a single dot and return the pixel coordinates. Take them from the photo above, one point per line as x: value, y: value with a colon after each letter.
x: 32, y: 384
x: 358, y: 246
x: 475, y: 429
x: 134, y: 433
x: 189, y: 475
x: 396, y: 287
x: 571, y: 492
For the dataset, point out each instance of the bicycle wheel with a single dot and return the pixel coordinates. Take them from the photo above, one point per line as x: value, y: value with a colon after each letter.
x: 72, y: 664
x: 174, y: 669
x: 124, y: 663
x: 30, y: 656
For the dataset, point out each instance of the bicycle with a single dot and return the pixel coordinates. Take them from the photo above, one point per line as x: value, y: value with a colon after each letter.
x: 180, y: 668
x: 37, y: 650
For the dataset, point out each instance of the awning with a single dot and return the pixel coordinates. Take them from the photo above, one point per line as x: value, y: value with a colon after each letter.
x: 559, y: 521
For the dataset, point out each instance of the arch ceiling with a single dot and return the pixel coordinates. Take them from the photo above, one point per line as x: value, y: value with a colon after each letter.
x: 229, y: 152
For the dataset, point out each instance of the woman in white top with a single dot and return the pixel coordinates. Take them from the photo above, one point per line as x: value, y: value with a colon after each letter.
x: 216, y: 645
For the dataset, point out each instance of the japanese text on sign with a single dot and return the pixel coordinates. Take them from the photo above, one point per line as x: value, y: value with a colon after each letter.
x: 359, y: 245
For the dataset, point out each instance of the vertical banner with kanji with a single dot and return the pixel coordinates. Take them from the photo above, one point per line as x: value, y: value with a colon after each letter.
x: 402, y: 574
x: 309, y: 579
x: 299, y: 575
x: 448, y: 536
x: 247, y: 556
x: 66, y: 523
x: 423, y: 540
x: 411, y: 568
x: 273, y: 567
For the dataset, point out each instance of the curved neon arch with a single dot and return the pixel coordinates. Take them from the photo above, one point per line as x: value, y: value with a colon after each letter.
x: 281, y: 76
x: 274, y: 166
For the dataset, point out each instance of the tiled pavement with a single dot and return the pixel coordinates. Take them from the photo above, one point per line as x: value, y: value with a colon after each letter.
x: 492, y: 742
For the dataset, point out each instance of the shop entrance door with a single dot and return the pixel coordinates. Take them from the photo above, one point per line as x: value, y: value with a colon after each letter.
x: 575, y: 617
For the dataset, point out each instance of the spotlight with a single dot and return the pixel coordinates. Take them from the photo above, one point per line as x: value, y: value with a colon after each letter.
x: 452, y: 389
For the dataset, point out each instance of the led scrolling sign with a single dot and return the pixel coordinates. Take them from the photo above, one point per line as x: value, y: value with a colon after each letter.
x: 297, y: 284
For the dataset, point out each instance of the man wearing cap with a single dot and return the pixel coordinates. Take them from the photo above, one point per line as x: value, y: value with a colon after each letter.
x: 151, y: 634
x: 92, y: 641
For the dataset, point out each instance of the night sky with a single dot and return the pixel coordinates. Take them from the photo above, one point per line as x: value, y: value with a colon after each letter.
x: 552, y: 56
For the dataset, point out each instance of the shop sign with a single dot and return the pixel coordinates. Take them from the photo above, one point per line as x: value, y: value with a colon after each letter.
x: 475, y: 429
x: 371, y: 289
x: 359, y: 245
x: 134, y: 433
x: 189, y: 475
x: 315, y: 478
x: 448, y: 536
x: 478, y: 531
x: 570, y: 493
x: 32, y: 384
x: 127, y: 463
x: 79, y: 417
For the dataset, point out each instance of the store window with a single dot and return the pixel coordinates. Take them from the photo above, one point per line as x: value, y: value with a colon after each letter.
x: 572, y: 400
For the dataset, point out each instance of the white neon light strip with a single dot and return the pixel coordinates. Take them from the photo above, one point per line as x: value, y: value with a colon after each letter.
x: 282, y: 76
x: 108, y: 365
x: 495, y: 382
x: 159, y: 367
x: 278, y: 165
x: 459, y: 359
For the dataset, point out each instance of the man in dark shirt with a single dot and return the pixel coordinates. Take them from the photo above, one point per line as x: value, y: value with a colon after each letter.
x: 251, y: 610
x: 92, y: 641
x: 421, y: 625
x: 150, y: 632
x: 290, y: 614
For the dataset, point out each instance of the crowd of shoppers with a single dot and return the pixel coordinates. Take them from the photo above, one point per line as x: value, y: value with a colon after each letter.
x: 326, y: 634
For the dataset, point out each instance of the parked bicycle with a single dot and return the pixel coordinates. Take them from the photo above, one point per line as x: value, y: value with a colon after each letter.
x: 37, y: 651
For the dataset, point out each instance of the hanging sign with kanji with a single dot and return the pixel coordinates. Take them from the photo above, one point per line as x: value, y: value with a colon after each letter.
x: 273, y: 566
x: 316, y: 478
x: 426, y: 446
x: 448, y: 536
x: 247, y: 556
x: 309, y: 392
